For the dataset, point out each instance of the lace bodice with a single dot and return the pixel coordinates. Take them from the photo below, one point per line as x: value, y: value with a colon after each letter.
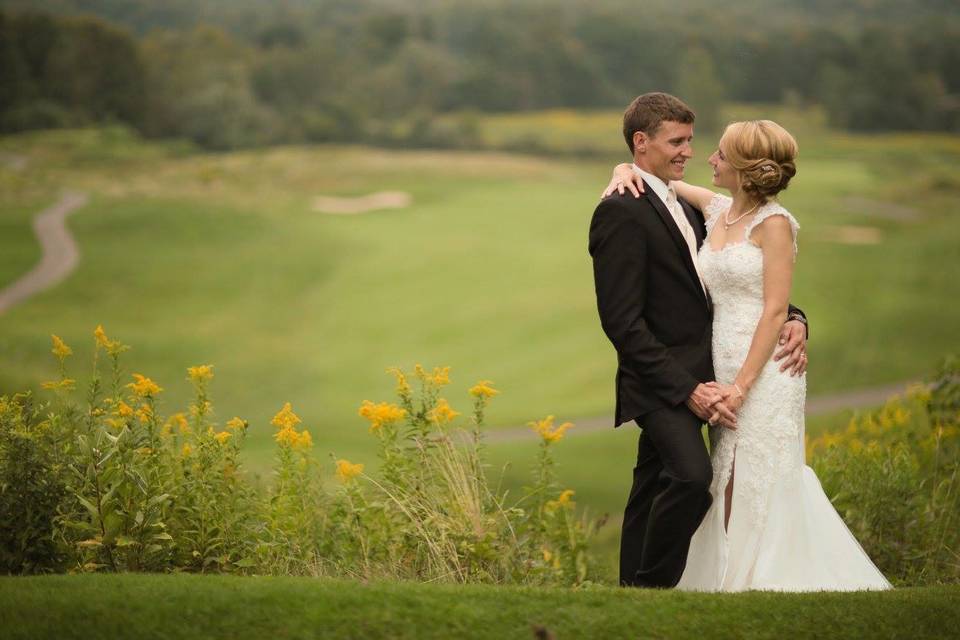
x: 770, y: 423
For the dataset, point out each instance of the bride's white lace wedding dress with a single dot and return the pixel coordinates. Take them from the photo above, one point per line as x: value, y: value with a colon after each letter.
x: 783, y: 532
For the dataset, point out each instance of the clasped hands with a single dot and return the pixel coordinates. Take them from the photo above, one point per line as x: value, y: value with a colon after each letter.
x: 718, y: 403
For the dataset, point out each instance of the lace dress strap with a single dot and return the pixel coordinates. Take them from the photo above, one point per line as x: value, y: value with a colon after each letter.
x: 773, y: 209
x: 718, y: 205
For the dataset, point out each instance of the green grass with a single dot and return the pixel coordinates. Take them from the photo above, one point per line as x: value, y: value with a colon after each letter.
x: 218, y: 258
x: 191, y: 606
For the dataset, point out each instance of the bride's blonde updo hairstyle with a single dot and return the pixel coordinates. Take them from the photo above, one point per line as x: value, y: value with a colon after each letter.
x: 764, y: 153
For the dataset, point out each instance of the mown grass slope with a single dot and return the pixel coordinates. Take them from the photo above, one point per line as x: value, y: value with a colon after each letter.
x: 193, y: 606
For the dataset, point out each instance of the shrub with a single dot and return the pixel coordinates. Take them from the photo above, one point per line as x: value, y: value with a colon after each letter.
x: 114, y: 486
x: 892, y: 475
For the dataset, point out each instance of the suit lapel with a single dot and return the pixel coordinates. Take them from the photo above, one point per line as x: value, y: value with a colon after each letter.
x: 675, y: 234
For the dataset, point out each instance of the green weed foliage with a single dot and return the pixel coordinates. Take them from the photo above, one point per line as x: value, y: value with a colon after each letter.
x: 893, y: 476
x: 108, y: 484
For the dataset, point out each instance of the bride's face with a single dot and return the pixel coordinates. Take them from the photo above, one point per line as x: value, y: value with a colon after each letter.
x: 724, y: 175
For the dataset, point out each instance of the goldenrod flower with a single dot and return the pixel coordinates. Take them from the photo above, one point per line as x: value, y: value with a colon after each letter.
x: 347, y: 471
x: 67, y: 384
x: 124, y: 410
x: 403, y: 387
x: 562, y: 501
x: 196, y: 409
x: 442, y: 413
x: 60, y: 348
x: 144, y: 387
x: 101, y: 337
x: 144, y: 413
x: 440, y: 377
x: 483, y: 389
x: 285, y: 418
x: 380, y: 414
x: 547, y: 556
x: 222, y: 436
x: 236, y: 424
x: 201, y: 373
x: 304, y: 441
x: 177, y: 420
x: 187, y: 450
x: 287, y: 436
x: 547, y: 431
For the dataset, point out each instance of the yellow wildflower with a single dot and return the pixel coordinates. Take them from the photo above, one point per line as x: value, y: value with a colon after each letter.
x: 547, y: 556
x: 440, y: 377
x: 187, y: 450
x: 547, y: 431
x: 196, y: 409
x: 403, y: 387
x: 287, y: 436
x: 285, y: 418
x: 144, y: 413
x: 177, y: 420
x: 304, y: 441
x: 60, y: 349
x: 380, y: 414
x: 562, y: 501
x: 67, y: 384
x: 347, y: 471
x: 223, y: 436
x: 144, y: 387
x: 124, y: 410
x: 236, y: 424
x: 101, y: 337
x: 442, y: 413
x: 201, y: 373
x: 483, y: 389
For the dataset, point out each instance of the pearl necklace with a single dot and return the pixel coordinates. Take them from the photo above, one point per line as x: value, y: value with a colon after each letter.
x: 727, y: 222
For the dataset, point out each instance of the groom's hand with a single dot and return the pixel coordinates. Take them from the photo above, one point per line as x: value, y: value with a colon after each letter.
x: 793, y: 347
x: 706, y: 400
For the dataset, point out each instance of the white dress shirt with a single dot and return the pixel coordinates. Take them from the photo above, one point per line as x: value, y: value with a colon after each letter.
x: 668, y: 196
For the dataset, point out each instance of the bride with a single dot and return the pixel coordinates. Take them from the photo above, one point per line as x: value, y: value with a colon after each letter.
x: 770, y: 525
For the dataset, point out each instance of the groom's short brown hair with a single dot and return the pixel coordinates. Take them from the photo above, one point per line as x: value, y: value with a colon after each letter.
x: 647, y: 112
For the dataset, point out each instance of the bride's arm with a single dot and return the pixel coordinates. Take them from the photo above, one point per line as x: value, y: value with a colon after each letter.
x: 697, y: 196
x: 776, y: 241
x: 624, y: 177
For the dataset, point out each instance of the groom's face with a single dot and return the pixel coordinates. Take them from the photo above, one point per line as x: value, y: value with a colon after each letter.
x: 665, y: 154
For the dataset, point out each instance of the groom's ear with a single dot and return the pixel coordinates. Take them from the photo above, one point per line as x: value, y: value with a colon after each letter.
x: 640, y: 141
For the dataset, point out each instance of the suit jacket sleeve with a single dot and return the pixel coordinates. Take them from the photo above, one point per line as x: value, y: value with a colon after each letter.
x: 806, y: 325
x: 619, y: 250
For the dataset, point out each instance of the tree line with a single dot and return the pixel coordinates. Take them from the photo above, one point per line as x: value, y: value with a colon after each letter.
x: 376, y: 71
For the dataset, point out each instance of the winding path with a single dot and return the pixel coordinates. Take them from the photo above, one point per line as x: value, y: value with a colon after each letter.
x: 816, y: 405
x: 60, y: 254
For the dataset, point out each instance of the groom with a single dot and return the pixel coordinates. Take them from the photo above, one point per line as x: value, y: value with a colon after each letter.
x: 656, y: 311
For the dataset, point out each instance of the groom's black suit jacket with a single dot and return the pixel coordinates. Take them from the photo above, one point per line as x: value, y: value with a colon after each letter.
x: 651, y: 304
x: 650, y: 301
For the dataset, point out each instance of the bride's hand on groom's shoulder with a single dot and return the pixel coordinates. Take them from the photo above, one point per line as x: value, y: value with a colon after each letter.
x: 624, y: 177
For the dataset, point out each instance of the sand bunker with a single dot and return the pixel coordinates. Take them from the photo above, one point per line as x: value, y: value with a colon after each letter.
x: 880, y: 209
x: 849, y: 234
x: 362, y: 204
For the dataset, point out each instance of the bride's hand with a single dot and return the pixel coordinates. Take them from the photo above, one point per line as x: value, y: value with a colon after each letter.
x: 731, y: 396
x: 624, y: 177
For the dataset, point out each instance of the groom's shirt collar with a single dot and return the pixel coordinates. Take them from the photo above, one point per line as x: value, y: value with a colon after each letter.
x: 655, y: 183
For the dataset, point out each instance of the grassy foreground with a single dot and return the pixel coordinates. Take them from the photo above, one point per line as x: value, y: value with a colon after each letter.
x: 192, y: 606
